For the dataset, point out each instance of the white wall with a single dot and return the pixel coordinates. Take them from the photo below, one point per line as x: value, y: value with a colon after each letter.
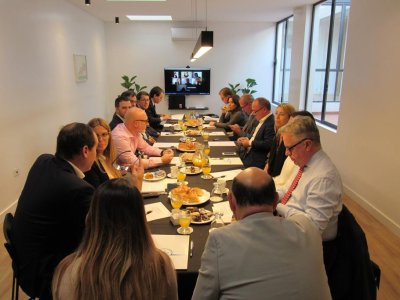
x: 241, y: 50
x: 366, y: 146
x: 38, y: 91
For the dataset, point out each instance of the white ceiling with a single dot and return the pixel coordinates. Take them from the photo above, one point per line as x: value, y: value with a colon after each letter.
x: 185, y: 10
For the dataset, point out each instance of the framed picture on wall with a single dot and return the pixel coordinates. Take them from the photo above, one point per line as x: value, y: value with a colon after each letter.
x: 80, y: 67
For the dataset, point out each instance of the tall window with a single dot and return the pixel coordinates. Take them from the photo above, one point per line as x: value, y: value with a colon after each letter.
x: 283, y: 51
x: 326, y: 63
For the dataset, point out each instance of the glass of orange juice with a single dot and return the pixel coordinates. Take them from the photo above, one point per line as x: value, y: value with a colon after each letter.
x: 184, y: 220
x: 181, y: 175
x: 205, y: 135
x: 176, y: 202
x: 207, y: 149
x: 206, y: 168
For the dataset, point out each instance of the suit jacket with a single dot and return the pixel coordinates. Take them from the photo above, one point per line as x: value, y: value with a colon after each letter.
x: 235, y: 117
x: 49, y: 221
x: 261, y: 145
x: 154, y: 118
x: 95, y: 176
x: 263, y: 257
x: 276, y: 157
x: 115, y: 121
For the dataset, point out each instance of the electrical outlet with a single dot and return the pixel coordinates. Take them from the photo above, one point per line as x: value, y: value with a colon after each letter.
x: 16, y: 172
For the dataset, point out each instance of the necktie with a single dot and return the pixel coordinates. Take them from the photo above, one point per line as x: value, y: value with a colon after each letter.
x: 292, y: 187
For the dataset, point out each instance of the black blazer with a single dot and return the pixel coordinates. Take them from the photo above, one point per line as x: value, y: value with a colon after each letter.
x: 154, y: 118
x: 95, y: 176
x: 115, y: 121
x: 261, y: 145
x: 49, y: 221
x: 276, y: 157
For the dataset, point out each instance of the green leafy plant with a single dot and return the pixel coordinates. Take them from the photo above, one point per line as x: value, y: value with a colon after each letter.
x: 247, y: 90
x: 130, y: 83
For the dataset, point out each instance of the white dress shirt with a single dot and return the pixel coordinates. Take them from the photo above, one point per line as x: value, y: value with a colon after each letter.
x: 258, y: 128
x: 318, y: 195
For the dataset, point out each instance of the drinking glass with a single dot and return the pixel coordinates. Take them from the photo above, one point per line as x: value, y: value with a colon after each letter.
x: 176, y: 202
x: 181, y: 176
x: 206, y: 168
x: 207, y: 149
x: 217, y: 222
x: 185, y: 220
x: 205, y: 135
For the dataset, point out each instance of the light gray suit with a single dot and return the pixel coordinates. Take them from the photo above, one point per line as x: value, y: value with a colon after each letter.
x: 263, y: 257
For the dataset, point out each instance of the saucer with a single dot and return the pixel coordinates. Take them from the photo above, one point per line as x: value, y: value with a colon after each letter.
x: 226, y: 191
x: 169, y: 176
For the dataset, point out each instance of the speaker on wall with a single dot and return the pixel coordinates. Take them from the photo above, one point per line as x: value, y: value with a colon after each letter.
x: 176, y: 102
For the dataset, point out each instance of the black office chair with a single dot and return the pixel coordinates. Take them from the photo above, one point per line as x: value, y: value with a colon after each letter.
x: 7, y: 226
x: 352, y: 275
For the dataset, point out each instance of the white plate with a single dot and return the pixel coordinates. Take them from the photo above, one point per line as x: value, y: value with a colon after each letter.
x: 158, y: 175
x: 187, y: 170
x: 202, y: 199
x: 226, y: 191
x: 193, y: 132
x: 184, y: 139
x: 212, y: 217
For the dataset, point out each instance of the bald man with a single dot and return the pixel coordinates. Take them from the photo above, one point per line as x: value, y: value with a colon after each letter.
x: 128, y: 138
x: 261, y: 256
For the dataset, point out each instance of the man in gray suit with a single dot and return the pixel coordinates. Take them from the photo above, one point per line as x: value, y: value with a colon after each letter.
x: 261, y: 256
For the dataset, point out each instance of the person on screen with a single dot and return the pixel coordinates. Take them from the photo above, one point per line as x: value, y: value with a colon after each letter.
x: 117, y: 258
x: 261, y: 256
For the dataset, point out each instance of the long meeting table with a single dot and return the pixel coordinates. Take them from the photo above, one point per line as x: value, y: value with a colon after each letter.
x: 187, y: 278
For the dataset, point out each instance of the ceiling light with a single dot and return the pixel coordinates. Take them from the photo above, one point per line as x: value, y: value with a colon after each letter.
x: 149, y: 18
x: 204, y: 43
x: 136, y: 0
x: 87, y: 2
x: 116, y: 20
x: 192, y: 59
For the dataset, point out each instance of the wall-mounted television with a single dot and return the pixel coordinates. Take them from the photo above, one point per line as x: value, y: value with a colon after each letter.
x: 187, y: 81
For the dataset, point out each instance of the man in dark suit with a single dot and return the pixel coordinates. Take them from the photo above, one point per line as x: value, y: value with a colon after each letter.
x: 258, y: 146
x: 50, y: 216
x: 122, y: 104
x: 155, y: 119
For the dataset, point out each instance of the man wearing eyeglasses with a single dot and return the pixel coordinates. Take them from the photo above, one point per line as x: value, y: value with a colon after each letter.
x: 258, y: 146
x: 128, y: 138
x: 317, y: 188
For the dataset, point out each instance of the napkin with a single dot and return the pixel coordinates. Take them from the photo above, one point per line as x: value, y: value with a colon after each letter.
x: 177, y: 117
x: 208, y: 118
x: 155, y: 211
x: 217, y: 133
x: 156, y: 186
x: 176, y: 246
x: 228, y: 175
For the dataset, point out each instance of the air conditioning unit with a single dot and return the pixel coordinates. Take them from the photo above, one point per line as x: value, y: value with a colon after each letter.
x: 185, y: 34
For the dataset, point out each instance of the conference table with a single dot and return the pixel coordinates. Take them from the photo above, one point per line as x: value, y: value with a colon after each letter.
x: 187, y: 278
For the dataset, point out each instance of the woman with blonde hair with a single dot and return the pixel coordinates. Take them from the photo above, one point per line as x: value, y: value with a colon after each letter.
x: 102, y: 168
x: 277, y: 156
x: 117, y: 258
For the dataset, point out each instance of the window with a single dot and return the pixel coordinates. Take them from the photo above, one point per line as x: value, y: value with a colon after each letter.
x: 326, y: 63
x: 283, y: 51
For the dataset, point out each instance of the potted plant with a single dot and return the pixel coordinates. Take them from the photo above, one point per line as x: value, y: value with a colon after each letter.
x: 247, y: 90
x: 129, y: 83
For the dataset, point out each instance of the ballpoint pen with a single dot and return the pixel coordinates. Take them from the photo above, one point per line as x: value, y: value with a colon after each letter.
x: 191, y: 248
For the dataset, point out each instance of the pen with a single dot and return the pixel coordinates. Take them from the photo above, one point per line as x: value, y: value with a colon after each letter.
x: 191, y: 248
x: 149, y: 212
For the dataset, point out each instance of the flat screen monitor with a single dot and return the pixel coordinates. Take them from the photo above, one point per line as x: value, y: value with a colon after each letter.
x: 185, y: 81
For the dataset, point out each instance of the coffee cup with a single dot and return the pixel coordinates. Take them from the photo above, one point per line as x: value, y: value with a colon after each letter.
x: 221, y: 185
x: 174, y: 171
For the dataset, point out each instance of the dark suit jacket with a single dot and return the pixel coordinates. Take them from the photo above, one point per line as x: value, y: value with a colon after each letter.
x: 49, y: 221
x: 276, y: 157
x: 154, y: 118
x: 261, y: 145
x: 95, y: 176
x: 115, y: 121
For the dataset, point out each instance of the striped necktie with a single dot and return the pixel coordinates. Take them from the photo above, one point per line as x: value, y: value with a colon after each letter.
x: 293, y: 186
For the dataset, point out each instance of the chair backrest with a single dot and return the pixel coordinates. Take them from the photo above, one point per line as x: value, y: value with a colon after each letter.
x: 7, y: 227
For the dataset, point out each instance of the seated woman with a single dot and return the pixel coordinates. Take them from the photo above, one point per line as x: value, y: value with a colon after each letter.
x: 117, y: 258
x: 235, y: 115
x: 277, y: 154
x: 102, y: 168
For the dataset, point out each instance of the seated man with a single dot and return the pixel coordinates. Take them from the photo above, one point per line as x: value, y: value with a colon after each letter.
x: 122, y: 104
x: 261, y: 256
x: 317, y: 188
x: 128, y: 138
x: 155, y: 119
x: 245, y: 102
x: 50, y: 216
x: 258, y: 146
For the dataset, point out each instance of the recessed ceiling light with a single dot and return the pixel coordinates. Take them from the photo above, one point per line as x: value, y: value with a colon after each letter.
x: 149, y: 18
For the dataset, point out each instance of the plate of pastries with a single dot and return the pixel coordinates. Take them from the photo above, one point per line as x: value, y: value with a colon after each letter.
x: 190, y: 196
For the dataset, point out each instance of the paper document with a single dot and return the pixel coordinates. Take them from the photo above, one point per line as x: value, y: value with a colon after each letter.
x: 217, y: 161
x: 217, y: 133
x: 227, y: 175
x: 156, y: 186
x: 222, y: 143
x: 177, y: 117
x: 223, y: 207
x: 208, y: 118
x: 176, y: 246
x: 155, y: 211
x: 179, y: 133
x: 165, y: 145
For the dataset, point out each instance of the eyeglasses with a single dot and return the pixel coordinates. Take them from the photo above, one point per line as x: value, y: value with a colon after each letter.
x: 103, y: 135
x: 254, y: 112
x: 290, y: 149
